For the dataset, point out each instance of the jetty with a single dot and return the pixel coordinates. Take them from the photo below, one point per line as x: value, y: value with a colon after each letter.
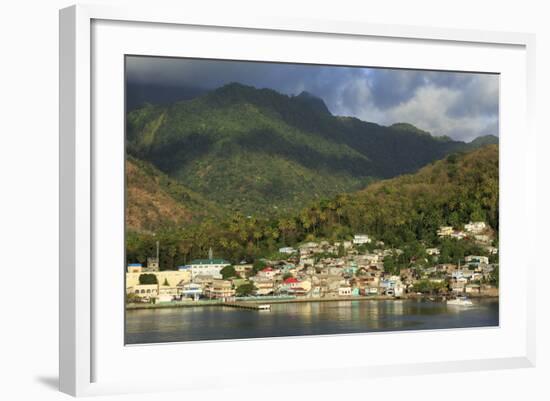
x: 247, y: 305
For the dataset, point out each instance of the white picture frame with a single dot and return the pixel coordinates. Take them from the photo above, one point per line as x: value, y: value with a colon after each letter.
x: 89, y: 362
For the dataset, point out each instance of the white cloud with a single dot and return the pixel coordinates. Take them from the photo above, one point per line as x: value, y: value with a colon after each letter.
x: 428, y: 110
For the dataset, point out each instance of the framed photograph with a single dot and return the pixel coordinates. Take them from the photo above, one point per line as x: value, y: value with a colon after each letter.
x: 340, y: 198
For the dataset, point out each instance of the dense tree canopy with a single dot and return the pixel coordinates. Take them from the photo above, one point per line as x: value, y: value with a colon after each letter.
x: 148, y: 278
x: 403, y: 212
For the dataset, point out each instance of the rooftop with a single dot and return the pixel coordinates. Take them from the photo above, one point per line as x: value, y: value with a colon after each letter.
x: 209, y: 262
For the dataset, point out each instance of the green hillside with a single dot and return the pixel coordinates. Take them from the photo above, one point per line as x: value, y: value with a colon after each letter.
x: 403, y: 212
x: 153, y: 200
x: 453, y: 191
x: 261, y: 153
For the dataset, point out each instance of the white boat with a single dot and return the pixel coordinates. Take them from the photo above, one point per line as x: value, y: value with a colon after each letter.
x: 460, y: 301
x: 264, y: 307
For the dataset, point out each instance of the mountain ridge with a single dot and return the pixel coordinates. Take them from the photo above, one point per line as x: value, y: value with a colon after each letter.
x: 258, y: 151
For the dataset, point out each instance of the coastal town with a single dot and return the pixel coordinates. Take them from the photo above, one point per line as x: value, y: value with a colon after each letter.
x: 358, y: 268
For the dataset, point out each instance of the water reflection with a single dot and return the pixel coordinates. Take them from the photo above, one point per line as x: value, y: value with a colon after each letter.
x: 207, y: 323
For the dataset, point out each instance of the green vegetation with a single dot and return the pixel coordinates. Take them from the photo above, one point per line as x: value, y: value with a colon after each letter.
x: 404, y: 212
x: 454, y: 250
x: 228, y: 272
x: 430, y: 287
x: 148, y: 279
x: 259, y: 153
x: 494, y: 276
x: 153, y: 200
x: 244, y: 290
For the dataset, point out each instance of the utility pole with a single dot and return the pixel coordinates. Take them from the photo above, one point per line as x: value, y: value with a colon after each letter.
x: 158, y: 260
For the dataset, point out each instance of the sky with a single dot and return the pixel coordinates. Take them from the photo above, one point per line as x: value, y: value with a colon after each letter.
x: 460, y: 105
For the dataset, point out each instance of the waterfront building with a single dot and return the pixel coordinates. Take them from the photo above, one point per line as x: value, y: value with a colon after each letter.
x: 172, y: 277
x: 462, y: 276
x: 167, y: 293
x: 372, y: 290
x: 190, y: 290
x: 287, y: 249
x: 472, y: 288
x: 145, y: 292
x: 316, y: 291
x: 297, y: 291
x: 291, y: 284
x: 344, y: 291
x: 208, y: 267
x: 134, y: 268
x: 458, y: 287
x: 220, y: 289
x: 263, y: 286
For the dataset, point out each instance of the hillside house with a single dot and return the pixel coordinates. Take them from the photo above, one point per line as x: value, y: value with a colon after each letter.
x: 445, y: 231
x: 268, y: 273
x: 361, y: 239
x: 475, y: 227
x: 243, y: 269
x: 263, y: 286
x: 476, y: 261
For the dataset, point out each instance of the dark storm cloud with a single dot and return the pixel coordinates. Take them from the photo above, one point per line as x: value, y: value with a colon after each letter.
x: 210, y: 74
x: 460, y: 105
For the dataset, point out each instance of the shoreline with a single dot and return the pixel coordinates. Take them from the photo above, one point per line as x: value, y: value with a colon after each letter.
x: 206, y: 303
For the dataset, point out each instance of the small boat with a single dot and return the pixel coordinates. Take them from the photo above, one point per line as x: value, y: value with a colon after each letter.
x: 460, y: 301
x: 264, y: 307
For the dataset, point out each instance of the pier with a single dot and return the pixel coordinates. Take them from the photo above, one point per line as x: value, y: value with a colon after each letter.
x: 247, y: 305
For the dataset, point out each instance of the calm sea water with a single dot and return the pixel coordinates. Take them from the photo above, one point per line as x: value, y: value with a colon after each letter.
x: 314, y: 318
